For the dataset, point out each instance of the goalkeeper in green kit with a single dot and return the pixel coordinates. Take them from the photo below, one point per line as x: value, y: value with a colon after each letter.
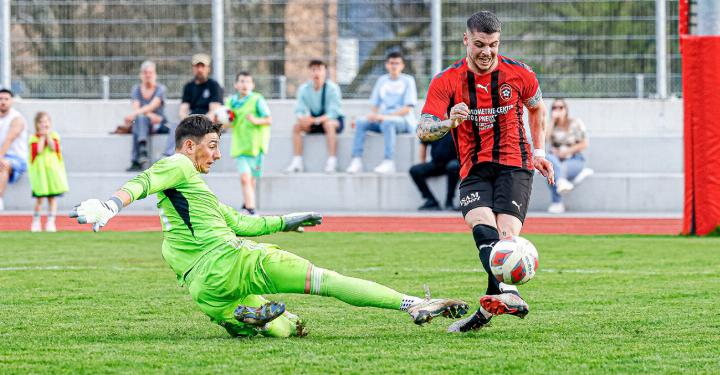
x: 225, y: 273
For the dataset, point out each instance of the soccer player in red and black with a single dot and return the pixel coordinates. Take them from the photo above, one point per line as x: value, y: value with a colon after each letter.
x: 479, y: 101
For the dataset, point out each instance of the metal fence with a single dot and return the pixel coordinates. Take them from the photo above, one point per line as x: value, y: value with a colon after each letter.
x: 91, y: 49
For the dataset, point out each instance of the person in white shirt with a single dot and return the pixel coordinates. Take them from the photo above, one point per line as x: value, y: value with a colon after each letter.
x: 13, y: 143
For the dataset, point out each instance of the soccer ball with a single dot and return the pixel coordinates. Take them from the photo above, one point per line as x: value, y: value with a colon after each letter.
x: 224, y: 115
x: 514, y: 260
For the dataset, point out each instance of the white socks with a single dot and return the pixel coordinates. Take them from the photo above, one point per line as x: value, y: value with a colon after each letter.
x: 408, y: 301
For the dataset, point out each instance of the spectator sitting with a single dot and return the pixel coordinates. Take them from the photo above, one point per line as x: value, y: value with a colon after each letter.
x: 444, y: 162
x: 201, y: 96
x: 148, y: 102
x: 318, y: 110
x: 250, y: 136
x: 13, y: 143
x: 46, y: 172
x: 567, y: 138
x: 393, y: 100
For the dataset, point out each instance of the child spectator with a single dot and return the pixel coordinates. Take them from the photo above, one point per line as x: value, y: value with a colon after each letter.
x: 250, y: 135
x: 46, y: 170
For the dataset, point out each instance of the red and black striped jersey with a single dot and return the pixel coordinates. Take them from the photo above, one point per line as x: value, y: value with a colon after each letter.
x: 494, y: 131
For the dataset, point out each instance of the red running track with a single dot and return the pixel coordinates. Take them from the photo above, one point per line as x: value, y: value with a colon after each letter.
x: 542, y: 225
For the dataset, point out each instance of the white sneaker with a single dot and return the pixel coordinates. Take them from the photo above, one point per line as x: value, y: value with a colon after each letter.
x: 355, y: 166
x: 585, y: 173
x: 35, y: 226
x: 331, y: 165
x: 556, y: 208
x: 296, y: 165
x: 387, y: 166
x: 2, y: 205
x: 50, y: 226
x: 564, y: 186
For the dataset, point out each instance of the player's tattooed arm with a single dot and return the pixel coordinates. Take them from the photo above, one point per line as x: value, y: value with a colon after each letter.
x: 431, y: 128
x: 534, y: 100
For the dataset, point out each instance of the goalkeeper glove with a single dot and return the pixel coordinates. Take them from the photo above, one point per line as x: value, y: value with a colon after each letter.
x: 96, y: 212
x: 296, y: 221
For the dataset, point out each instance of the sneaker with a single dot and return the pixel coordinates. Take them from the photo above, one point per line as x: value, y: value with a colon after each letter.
x: 430, y: 205
x: 556, y: 208
x: 2, y: 205
x: 355, y: 166
x: 248, y: 211
x: 584, y: 173
x: 50, y: 226
x: 387, y: 166
x: 425, y: 310
x: 35, y: 226
x: 296, y: 165
x: 506, y: 303
x: 135, y: 167
x: 472, y: 323
x: 563, y: 186
x: 259, y: 316
x: 331, y: 165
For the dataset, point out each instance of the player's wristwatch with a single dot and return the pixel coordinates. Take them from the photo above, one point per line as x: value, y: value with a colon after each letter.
x: 540, y: 153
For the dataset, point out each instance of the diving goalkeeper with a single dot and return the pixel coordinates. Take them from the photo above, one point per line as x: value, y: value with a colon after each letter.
x: 226, y: 274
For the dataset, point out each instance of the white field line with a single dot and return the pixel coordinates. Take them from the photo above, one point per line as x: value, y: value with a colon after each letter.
x: 599, y: 271
x: 605, y: 271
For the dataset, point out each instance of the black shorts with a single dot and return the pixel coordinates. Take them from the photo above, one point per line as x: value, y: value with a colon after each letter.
x: 504, y: 189
x: 318, y: 128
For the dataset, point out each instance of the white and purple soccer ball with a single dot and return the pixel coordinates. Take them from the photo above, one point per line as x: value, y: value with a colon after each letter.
x: 514, y: 260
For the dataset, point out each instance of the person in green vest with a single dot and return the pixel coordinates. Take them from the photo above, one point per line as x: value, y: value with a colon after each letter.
x: 46, y: 172
x: 250, y: 135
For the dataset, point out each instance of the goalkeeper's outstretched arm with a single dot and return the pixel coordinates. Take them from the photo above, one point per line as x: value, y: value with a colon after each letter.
x: 164, y: 174
x: 251, y: 226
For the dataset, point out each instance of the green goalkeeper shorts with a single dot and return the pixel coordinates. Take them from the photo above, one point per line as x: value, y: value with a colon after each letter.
x: 224, y: 277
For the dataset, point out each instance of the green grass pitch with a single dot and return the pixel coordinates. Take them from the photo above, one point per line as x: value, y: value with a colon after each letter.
x: 82, y: 302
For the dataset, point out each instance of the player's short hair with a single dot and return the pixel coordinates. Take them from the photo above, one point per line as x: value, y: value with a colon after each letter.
x: 316, y: 63
x: 7, y: 91
x: 395, y: 55
x: 242, y: 73
x: 195, y: 127
x: 484, y: 22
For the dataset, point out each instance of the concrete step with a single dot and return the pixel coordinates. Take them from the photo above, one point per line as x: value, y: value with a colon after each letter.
x: 623, y: 154
x: 111, y: 153
x: 602, y: 116
x: 603, y: 192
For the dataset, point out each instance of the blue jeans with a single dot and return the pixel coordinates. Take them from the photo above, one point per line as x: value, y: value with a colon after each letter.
x: 388, y: 127
x: 568, y: 169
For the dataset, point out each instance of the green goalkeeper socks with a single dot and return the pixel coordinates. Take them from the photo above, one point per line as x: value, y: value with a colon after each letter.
x: 353, y: 291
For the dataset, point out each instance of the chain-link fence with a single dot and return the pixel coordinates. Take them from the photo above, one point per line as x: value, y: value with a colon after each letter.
x: 91, y: 49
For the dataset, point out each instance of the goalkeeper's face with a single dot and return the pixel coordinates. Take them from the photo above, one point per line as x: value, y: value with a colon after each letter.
x: 205, y: 153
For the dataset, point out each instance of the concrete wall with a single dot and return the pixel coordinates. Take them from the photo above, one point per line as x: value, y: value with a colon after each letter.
x: 609, y: 117
x: 635, y: 149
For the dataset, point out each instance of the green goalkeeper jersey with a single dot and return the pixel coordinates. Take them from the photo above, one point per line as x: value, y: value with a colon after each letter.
x: 193, y: 220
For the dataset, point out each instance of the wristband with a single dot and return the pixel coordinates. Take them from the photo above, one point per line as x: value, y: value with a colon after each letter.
x: 539, y: 153
x: 114, y: 202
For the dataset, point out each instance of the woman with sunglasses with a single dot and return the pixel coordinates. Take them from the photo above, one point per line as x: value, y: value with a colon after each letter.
x: 567, y: 138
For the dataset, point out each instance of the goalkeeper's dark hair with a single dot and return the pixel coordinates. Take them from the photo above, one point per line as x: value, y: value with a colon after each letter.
x: 484, y: 22
x: 195, y: 127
